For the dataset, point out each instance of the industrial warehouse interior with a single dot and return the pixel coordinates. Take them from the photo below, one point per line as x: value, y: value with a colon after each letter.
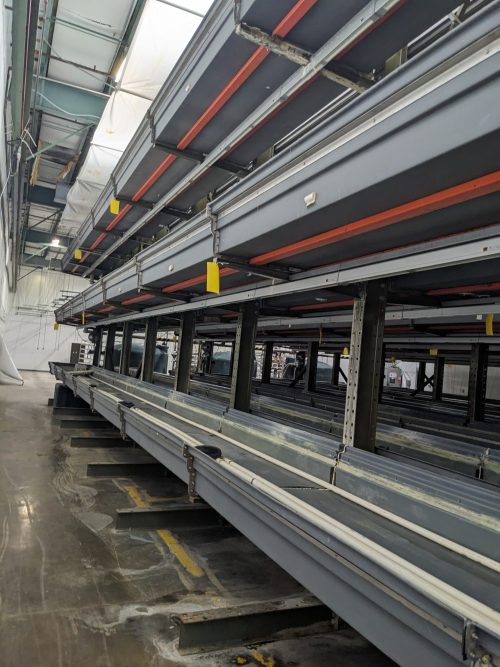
x: 250, y: 333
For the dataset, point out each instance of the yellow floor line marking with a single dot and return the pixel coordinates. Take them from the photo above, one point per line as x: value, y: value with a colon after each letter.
x: 136, y: 496
x: 180, y: 553
x: 265, y: 662
x: 175, y: 548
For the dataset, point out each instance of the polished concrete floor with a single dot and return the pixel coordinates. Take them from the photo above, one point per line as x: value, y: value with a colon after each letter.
x: 76, y: 592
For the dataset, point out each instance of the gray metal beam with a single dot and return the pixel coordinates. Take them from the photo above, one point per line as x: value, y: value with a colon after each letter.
x: 478, y: 376
x: 128, y: 331
x: 185, y: 353
x: 365, y: 362
x: 243, y: 357
x: 148, y: 357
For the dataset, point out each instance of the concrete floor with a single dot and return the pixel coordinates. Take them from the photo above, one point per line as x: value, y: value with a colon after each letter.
x: 76, y: 592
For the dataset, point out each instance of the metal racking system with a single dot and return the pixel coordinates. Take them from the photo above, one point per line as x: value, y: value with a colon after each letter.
x: 339, y: 160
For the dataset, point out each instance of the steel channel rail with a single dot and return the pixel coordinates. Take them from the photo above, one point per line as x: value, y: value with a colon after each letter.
x: 402, y: 608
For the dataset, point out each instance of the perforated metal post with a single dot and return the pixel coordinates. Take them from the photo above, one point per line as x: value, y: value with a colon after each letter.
x: 365, y: 364
x: 97, y: 347
x: 437, y: 385
x: 148, y: 356
x: 128, y: 330
x: 268, y: 362
x: 244, y: 355
x: 185, y: 352
x: 312, y: 366
x: 478, y: 376
x: 110, y: 348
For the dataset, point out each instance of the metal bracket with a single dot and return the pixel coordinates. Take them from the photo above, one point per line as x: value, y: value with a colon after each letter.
x: 138, y: 269
x: 213, y: 228
x: 192, y: 473
x: 296, y: 54
x: 194, y: 156
x: 471, y: 650
x: 121, y: 413
x: 243, y: 265
x: 152, y: 127
x: 91, y: 394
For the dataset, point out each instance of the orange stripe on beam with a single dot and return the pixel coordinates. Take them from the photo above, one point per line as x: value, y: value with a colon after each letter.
x: 106, y: 309
x: 197, y: 280
x: 457, y: 194
x: 137, y: 299
x: 322, y: 306
x: 485, y: 287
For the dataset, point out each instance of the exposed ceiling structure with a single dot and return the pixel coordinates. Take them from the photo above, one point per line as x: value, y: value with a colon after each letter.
x: 95, y: 69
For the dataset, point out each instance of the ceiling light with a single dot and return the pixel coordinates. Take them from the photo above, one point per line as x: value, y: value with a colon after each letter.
x: 55, y: 243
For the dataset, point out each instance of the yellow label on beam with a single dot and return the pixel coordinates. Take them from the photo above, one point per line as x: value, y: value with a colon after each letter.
x: 213, y: 277
x: 489, y: 324
x: 114, y: 206
x: 56, y: 326
x: 345, y: 353
x: 433, y: 352
x: 78, y: 254
x: 83, y: 317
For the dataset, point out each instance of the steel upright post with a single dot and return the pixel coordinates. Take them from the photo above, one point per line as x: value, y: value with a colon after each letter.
x: 110, y: 348
x: 148, y: 356
x: 478, y: 376
x: 365, y: 363
x: 185, y: 352
x: 244, y: 355
x: 128, y: 330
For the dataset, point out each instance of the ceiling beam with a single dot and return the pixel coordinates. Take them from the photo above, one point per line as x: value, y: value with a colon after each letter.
x: 37, y: 194
x: 69, y: 102
x: 39, y: 236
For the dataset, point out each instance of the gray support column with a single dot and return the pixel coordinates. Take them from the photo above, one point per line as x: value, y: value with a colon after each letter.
x: 365, y: 362
x: 97, y: 346
x: 312, y: 366
x: 148, y: 356
x: 336, y: 369
x: 437, y: 385
x: 128, y: 330
x: 382, y: 373
x: 478, y: 376
x: 110, y: 348
x: 244, y: 354
x: 207, y: 353
x: 185, y: 352
x: 268, y: 362
x: 421, y: 376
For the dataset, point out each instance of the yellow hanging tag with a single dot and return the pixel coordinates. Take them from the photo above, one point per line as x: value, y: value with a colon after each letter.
x: 83, y: 317
x: 114, y: 206
x: 489, y: 324
x: 433, y: 352
x: 78, y: 254
x: 56, y: 326
x: 213, y: 277
x: 345, y: 353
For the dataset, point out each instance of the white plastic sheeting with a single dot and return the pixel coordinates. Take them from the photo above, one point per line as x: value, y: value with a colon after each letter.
x: 8, y: 371
x: 161, y: 36
x: 29, y: 328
